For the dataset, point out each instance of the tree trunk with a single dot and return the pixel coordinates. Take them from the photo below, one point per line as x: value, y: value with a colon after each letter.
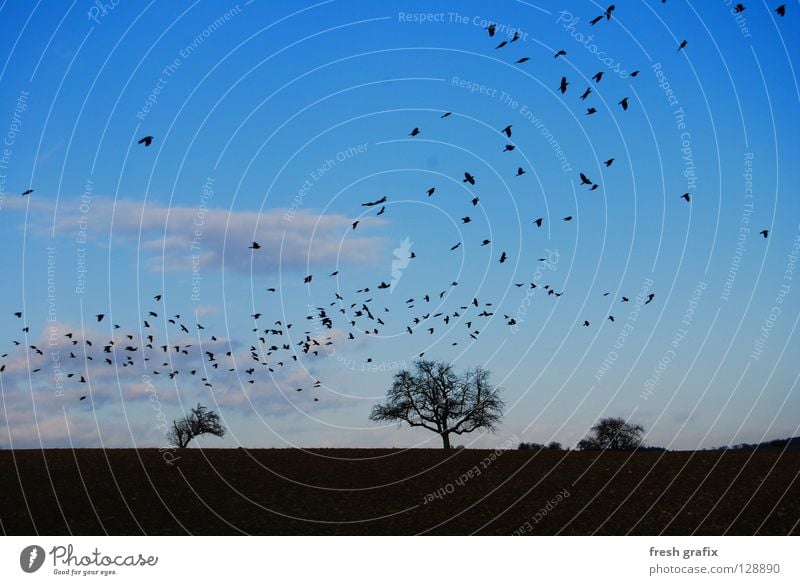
x: 446, y: 440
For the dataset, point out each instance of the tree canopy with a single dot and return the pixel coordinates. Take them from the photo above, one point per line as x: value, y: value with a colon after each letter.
x: 433, y: 396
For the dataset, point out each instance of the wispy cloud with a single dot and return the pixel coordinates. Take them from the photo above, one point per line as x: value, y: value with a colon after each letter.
x: 173, y: 238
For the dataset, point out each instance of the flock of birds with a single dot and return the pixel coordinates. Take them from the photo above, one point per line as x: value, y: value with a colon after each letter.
x: 362, y: 315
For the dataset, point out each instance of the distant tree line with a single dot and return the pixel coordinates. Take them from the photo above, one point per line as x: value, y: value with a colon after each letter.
x: 774, y: 445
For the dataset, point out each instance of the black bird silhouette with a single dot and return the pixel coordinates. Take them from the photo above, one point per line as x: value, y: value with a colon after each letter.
x: 594, y: 21
x: 764, y: 233
x: 466, y: 219
x: 625, y: 299
x: 585, y: 180
x: 456, y: 246
x: 598, y: 76
x: 28, y: 192
x: 634, y: 73
x: 650, y: 298
x: 501, y: 45
x: 568, y: 218
x: 82, y: 398
x: 491, y: 29
x: 564, y: 84
x: 523, y: 60
x: 382, y: 210
x: 147, y: 140
x: 586, y: 93
x: 608, y: 162
x: 609, y: 10
x: 538, y: 222
x: 18, y: 314
x: 503, y: 257
x: 157, y: 298
x: 355, y: 223
x: 611, y: 318
x: 591, y: 111
x: 507, y: 130
x: 559, y: 53
x: 624, y: 103
x: 446, y: 114
x: 781, y: 10
x: 431, y: 191
x: 254, y: 246
x: 520, y: 171
x: 509, y: 148
x: 475, y: 200
x: 585, y: 323
x: 686, y: 196
x: 486, y: 242
x: 738, y: 8
x: 100, y: 317
x: 376, y: 202
x: 468, y: 179
x: 682, y: 45
x: 414, y: 132
x: 308, y: 278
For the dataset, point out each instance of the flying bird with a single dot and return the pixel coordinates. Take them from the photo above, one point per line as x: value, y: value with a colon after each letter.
x: 564, y: 84
x: 624, y: 103
x: 608, y: 162
x: 27, y: 192
x: 307, y: 279
x: 586, y: 93
x: 376, y: 202
x: 591, y: 111
x: 682, y: 45
x: 686, y: 196
x: 598, y: 76
x: 523, y: 60
x: 560, y: 53
x: 507, y: 130
x: 414, y: 132
x: 491, y: 29
x: 468, y: 179
x: 100, y: 317
x: 764, y: 233
x: 503, y: 257
x: 538, y: 222
x: 255, y: 246
x: 781, y: 10
x: 520, y: 171
x: 147, y: 140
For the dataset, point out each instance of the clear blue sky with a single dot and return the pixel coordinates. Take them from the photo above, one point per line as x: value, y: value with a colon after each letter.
x: 275, y: 122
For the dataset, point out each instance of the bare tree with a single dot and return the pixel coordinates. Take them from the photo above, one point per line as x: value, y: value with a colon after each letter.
x: 613, y: 434
x: 199, y: 421
x: 436, y: 398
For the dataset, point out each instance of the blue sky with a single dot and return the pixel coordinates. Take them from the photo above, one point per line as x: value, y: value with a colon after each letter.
x: 274, y: 123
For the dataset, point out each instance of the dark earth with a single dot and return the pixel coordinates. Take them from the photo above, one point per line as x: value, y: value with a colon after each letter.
x: 387, y: 491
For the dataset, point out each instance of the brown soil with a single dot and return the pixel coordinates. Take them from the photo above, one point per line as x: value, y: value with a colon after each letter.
x: 382, y: 491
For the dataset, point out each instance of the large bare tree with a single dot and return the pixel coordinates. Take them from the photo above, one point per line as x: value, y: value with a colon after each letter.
x: 436, y: 398
x: 199, y: 421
